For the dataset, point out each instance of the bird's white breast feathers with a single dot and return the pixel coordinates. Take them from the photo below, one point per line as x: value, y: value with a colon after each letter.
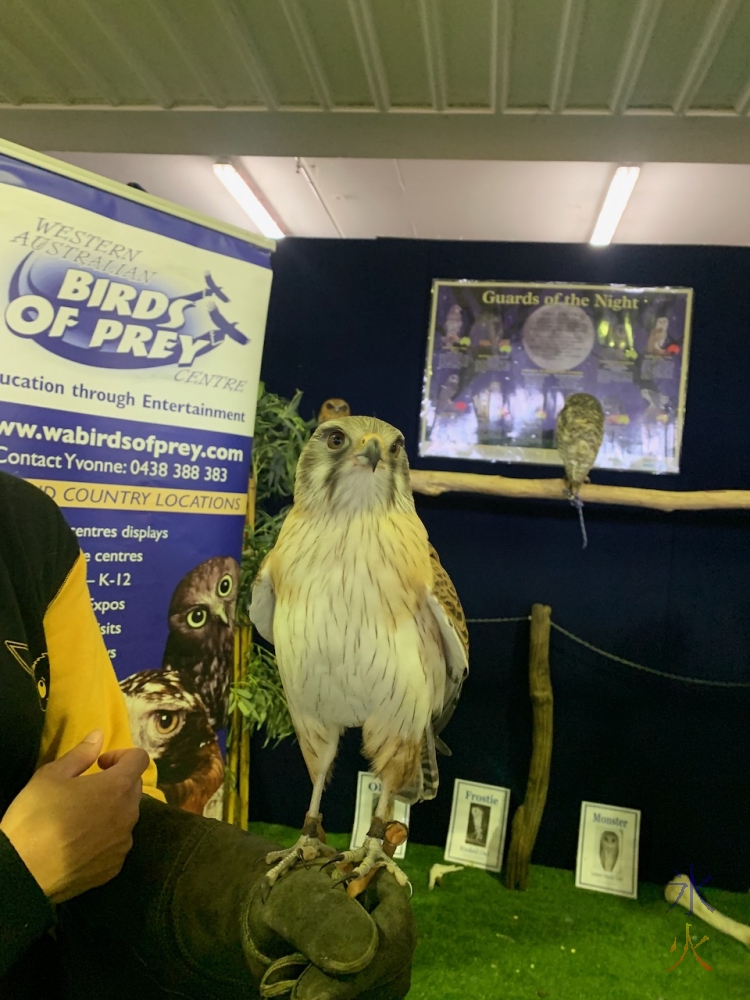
x: 355, y: 636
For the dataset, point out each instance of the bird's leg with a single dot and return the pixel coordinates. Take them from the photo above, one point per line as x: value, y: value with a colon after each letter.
x: 371, y: 854
x: 311, y: 843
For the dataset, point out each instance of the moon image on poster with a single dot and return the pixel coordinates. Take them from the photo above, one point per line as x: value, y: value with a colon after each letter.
x: 558, y: 338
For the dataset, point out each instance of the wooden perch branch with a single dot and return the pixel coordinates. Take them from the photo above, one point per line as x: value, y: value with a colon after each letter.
x: 529, y: 815
x: 435, y: 483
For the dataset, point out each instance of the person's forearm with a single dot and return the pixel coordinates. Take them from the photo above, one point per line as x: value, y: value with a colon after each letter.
x: 172, y: 915
x: 25, y: 912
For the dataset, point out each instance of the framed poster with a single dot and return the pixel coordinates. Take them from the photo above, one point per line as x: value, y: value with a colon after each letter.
x: 368, y: 794
x: 502, y: 358
x: 608, y: 849
x: 479, y: 817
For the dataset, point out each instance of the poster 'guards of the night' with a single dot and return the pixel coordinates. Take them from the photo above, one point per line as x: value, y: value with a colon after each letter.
x: 503, y: 357
x: 131, y: 335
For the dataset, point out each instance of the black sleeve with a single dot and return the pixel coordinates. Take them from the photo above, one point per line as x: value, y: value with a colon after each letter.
x: 26, y: 911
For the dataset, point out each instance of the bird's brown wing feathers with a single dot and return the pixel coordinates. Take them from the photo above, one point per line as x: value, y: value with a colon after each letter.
x: 449, y: 614
x: 445, y: 592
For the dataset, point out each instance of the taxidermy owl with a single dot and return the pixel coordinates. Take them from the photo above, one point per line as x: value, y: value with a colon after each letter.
x: 200, y: 645
x: 171, y: 724
x: 333, y: 408
x: 368, y: 630
x: 580, y: 432
x: 609, y: 850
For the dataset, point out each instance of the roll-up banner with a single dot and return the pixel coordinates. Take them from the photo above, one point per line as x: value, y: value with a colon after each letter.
x: 131, y: 333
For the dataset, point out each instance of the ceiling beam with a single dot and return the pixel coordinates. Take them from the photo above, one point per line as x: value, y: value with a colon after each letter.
x: 636, y: 47
x: 369, y: 51
x: 172, y: 29
x: 567, y: 49
x: 308, y: 53
x: 501, y: 38
x: 237, y: 30
x: 128, y: 53
x: 712, y: 36
x: 627, y: 138
x: 100, y: 85
x: 429, y: 16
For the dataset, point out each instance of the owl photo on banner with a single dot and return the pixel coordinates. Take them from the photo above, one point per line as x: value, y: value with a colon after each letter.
x: 200, y: 645
x: 171, y: 724
x: 176, y: 712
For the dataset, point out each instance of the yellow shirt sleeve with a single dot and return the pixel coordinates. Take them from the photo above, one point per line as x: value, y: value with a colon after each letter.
x: 83, y: 693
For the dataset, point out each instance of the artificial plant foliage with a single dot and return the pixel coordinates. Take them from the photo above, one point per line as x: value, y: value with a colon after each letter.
x: 280, y: 435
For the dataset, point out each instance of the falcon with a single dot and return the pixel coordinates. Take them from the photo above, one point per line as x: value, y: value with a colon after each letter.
x: 368, y: 629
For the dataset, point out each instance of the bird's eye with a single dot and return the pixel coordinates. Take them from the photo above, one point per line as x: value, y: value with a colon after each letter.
x: 336, y: 440
x: 226, y: 585
x: 166, y: 722
x: 197, y: 617
x: 395, y: 448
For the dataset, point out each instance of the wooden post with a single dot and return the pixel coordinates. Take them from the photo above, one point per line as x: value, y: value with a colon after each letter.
x: 237, y: 789
x: 233, y: 754
x: 529, y: 815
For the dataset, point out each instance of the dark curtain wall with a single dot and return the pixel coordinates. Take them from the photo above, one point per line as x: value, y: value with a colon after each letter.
x: 349, y: 318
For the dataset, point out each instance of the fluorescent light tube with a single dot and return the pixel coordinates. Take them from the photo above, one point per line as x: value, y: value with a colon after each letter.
x: 248, y: 200
x: 614, y: 205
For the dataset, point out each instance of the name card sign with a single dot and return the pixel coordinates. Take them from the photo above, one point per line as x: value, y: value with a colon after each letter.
x: 608, y: 849
x: 479, y: 818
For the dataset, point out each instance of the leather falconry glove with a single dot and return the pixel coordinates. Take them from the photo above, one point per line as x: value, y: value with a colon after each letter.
x: 185, y: 918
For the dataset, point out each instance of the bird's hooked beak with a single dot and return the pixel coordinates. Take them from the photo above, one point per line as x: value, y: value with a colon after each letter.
x: 221, y: 613
x: 371, y: 450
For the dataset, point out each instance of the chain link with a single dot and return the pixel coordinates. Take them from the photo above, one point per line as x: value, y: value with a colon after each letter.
x: 617, y: 659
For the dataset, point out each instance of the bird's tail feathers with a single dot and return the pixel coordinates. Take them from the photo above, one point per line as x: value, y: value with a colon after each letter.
x: 422, y: 782
x: 430, y: 778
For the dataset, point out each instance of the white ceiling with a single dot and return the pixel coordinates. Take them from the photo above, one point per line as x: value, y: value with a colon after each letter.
x: 682, y: 203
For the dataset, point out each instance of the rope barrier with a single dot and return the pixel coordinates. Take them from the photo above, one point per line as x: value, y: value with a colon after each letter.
x: 703, y: 682
x: 494, y: 621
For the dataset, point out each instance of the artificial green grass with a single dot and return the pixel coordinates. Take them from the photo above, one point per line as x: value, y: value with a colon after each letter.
x: 480, y: 941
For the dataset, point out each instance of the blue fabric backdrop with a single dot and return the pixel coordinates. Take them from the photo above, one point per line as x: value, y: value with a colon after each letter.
x: 349, y: 318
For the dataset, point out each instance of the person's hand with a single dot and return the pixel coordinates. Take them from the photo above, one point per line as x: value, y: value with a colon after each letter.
x: 73, y: 830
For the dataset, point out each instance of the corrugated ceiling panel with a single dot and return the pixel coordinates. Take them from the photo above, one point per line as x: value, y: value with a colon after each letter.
x: 18, y: 28
x: 604, y: 33
x: 20, y: 81
x: 270, y: 31
x: 212, y: 51
x: 402, y: 46
x: 536, y: 27
x: 679, y: 30
x: 178, y: 52
x: 467, y: 43
x: 332, y: 33
x: 730, y: 72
